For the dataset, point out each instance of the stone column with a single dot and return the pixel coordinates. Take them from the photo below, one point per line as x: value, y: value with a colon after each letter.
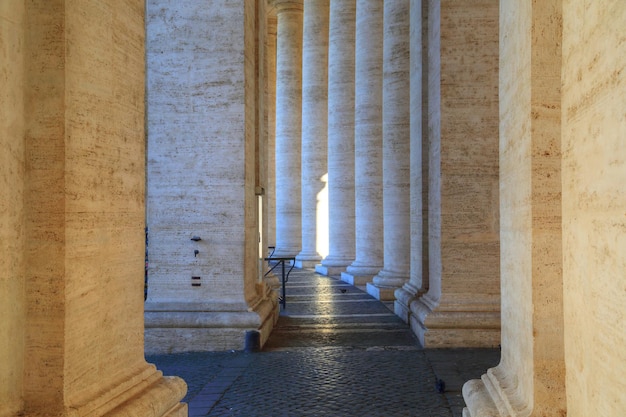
x: 368, y: 143
x: 204, y: 286
x: 288, y: 127
x: 82, y: 185
x: 396, y: 152
x: 530, y: 379
x: 461, y: 307
x: 270, y: 106
x: 411, y: 289
x: 340, y: 138
x: 314, y: 133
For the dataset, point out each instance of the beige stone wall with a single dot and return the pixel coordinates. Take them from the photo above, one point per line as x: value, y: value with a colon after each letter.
x: 461, y: 307
x: 594, y: 205
x: 72, y: 132
x: 204, y: 88
x: 12, y: 297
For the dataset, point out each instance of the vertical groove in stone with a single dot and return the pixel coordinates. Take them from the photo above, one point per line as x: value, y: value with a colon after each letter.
x: 314, y: 132
x: 368, y: 139
x: 288, y: 128
x: 396, y: 146
x: 341, y: 134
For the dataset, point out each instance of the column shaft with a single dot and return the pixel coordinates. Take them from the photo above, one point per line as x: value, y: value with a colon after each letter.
x: 461, y: 307
x: 288, y: 128
x: 201, y: 176
x: 533, y: 353
x: 270, y: 185
x: 84, y: 216
x: 314, y: 133
x: 396, y: 152
x: 410, y: 290
x: 368, y: 143
x: 340, y: 137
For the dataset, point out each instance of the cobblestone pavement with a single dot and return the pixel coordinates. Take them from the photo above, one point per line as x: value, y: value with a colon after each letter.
x: 335, y: 351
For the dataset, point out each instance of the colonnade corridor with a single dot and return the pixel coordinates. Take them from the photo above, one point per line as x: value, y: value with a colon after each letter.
x: 335, y: 350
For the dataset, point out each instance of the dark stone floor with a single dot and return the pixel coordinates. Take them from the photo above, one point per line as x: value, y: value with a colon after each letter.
x: 335, y: 351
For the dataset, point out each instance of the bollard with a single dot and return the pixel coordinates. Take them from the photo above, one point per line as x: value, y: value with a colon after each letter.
x: 253, y: 341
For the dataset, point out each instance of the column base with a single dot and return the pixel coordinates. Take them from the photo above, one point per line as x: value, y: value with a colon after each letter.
x: 161, y: 399
x: 380, y: 292
x: 454, y: 329
x: 307, y: 260
x: 404, y: 297
x: 329, y: 271
x: 356, y: 280
x: 181, y: 327
x: 493, y: 395
x: 357, y: 274
x: 385, y: 283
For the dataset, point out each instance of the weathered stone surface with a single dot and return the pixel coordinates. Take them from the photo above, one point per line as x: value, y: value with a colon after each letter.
x: 396, y: 152
x: 73, y: 111
x: 463, y: 159
x: 341, y: 52
x: 368, y: 141
x: 12, y: 170
x: 314, y: 134
x: 594, y: 206
x: 202, y: 159
x: 288, y: 128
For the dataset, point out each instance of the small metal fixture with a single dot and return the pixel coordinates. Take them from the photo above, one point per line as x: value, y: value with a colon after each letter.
x: 195, y: 253
x: 196, y: 238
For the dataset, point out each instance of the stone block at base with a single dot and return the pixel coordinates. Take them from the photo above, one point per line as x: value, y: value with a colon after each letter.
x: 355, y: 280
x: 329, y: 271
x: 381, y: 293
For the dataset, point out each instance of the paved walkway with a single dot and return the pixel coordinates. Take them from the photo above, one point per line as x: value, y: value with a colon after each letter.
x: 336, y: 351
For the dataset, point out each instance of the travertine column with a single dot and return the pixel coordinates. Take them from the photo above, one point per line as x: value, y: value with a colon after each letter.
x: 288, y: 127
x: 340, y: 137
x: 204, y: 285
x: 12, y: 170
x: 76, y: 179
x: 461, y: 307
x: 593, y: 167
x: 368, y: 143
x: 563, y: 198
x: 270, y: 106
x: 314, y: 133
x: 396, y: 152
x: 411, y: 289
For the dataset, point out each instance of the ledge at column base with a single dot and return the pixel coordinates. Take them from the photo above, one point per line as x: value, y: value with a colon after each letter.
x: 456, y: 329
x: 161, y: 399
x: 404, y: 297
x: 202, y: 331
x: 329, y: 271
x: 355, y: 280
x: 381, y: 293
x: 304, y: 263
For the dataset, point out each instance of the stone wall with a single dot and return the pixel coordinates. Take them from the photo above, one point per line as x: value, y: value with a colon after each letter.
x: 461, y: 307
x: 594, y: 205
x: 12, y: 296
x: 73, y: 174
